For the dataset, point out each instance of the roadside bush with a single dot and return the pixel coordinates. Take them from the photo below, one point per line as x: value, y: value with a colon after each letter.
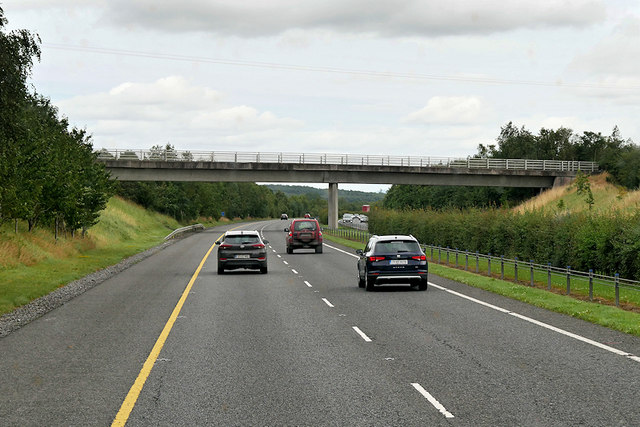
x: 607, y: 244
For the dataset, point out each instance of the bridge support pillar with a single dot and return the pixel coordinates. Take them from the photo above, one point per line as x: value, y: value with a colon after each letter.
x: 333, y: 205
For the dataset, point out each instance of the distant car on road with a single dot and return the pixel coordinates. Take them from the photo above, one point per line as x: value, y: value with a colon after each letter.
x: 304, y: 233
x: 284, y: 216
x: 347, y: 217
x: 242, y: 249
x: 307, y: 215
x: 392, y: 259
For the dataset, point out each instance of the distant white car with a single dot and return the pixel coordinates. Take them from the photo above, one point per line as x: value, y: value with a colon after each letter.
x: 363, y: 218
x: 347, y: 217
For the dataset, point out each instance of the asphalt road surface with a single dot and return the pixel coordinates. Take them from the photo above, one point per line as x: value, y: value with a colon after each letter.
x: 171, y: 342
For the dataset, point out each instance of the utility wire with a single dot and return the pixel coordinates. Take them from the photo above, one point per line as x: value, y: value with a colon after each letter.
x: 293, y: 67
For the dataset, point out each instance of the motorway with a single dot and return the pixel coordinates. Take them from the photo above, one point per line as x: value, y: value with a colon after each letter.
x: 303, y: 345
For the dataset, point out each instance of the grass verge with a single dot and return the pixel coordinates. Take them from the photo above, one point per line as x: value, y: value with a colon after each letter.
x: 604, y: 315
x: 32, y: 264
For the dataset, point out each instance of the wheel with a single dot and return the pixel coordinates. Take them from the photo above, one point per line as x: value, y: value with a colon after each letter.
x: 361, y: 281
x: 263, y: 270
x: 318, y: 249
x: 220, y: 269
x: 289, y: 250
x: 368, y: 284
x: 423, y: 284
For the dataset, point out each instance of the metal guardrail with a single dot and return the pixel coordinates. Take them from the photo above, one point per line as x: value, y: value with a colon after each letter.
x: 579, y: 282
x: 186, y: 229
x: 345, y: 159
x: 349, y: 233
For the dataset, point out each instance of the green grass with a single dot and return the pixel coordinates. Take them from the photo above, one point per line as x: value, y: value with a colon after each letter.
x: 605, y: 315
x: 579, y: 286
x: 34, y: 264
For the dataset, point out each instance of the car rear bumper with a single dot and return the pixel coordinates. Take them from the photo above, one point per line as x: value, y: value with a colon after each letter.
x: 377, y: 277
x: 301, y: 244
x: 231, y: 264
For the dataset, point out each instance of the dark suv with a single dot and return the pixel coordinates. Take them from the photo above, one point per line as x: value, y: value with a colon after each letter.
x: 304, y: 233
x: 242, y: 249
x: 392, y: 259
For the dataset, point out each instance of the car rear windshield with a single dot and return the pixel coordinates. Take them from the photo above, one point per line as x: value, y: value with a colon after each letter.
x: 304, y: 225
x: 238, y: 240
x: 394, y: 246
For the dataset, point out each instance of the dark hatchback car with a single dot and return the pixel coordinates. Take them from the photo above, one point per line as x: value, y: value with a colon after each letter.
x: 304, y: 233
x: 242, y: 249
x: 392, y: 259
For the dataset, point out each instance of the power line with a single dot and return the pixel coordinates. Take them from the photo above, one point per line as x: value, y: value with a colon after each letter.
x: 293, y: 67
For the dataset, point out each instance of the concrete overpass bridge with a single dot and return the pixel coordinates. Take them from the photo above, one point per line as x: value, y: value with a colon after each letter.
x: 226, y: 166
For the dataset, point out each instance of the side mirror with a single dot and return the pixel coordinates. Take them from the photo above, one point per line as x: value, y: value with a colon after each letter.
x: 359, y: 252
x: 266, y: 242
x: 286, y: 229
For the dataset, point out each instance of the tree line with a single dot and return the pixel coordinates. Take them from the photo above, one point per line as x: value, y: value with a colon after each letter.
x: 619, y: 157
x: 48, y: 172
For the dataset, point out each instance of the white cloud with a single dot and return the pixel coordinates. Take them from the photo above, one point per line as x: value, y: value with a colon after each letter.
x: 615, y: 55
x: 381, y: 18
x: 450, y: 110
x: 610, y: 69
x: 171, y: 108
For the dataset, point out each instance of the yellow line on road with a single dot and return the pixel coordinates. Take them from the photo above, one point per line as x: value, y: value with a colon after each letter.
x: 134, y: 392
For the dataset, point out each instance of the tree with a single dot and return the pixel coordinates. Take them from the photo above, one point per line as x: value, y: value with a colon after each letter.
x: 18, y: 49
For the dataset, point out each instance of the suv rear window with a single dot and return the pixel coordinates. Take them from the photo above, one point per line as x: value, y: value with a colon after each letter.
x: 237, y: 240
x: 393, y: 246
x: 304, y: 225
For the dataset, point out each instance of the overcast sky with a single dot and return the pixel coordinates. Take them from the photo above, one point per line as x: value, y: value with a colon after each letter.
x: 402, y: 77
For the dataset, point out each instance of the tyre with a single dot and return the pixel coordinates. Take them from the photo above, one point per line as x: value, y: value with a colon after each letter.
x: 220, y: 268
x: 423, y: 284
x: 319, y: 249
x: 368, y: 285
x: 361, y: 281
x: 289, y: 250
x: 263, y: 270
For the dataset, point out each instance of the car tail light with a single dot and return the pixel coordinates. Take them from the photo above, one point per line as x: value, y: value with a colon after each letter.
x: 419, y: 257
x: 376, y: 258
x: 258, y: 246
x: 225, y: 246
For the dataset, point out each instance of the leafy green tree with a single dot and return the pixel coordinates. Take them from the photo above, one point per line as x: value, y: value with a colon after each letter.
x: 18, y: 50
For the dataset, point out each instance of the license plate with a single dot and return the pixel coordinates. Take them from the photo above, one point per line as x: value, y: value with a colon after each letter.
x: 243, y: 256
x: 398, y: 262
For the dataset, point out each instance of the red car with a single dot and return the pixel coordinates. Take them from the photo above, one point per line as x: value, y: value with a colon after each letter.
x: 304, y: 233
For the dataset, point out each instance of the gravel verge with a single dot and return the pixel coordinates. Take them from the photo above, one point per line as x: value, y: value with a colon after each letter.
x: 27, y: 313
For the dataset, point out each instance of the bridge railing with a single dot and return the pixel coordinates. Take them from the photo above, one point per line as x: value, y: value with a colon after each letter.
x: 345, y: 159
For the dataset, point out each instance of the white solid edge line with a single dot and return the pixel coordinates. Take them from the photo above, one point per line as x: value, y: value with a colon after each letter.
x: 432, y: 400
x: 362, y: 334
x: 477, y: 301
x: 308, y: 284
x: 542, y: 324
x: 293, y: 271
x: 327, y: 302
x: 572, y: 335
x: 340, y: 250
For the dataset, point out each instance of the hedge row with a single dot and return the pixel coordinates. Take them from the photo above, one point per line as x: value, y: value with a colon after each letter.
x: 607, y: 244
